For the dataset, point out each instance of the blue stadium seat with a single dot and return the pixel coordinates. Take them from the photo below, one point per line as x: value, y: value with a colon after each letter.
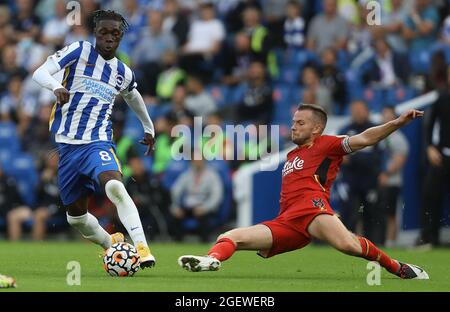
x: 22, y: 168
x: 158, y: 111
x: 285, y: 102
x: 281, y: 93
x: 6, y: 156
x: 133, y: 127
x: 8, y: 137
x: 173, y: 171
x: 375, y: 99
x: 220, y: 94
x: 289, y: 74
x: 236, y: 93
x: 148, y: 162
x: 398, y: 95
x: 297, y: 58
x: 420, y: 61
x: 296, y: 95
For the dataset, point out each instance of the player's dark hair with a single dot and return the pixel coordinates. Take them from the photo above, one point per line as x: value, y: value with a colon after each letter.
x: 317, y: 110
x: 101, y: 15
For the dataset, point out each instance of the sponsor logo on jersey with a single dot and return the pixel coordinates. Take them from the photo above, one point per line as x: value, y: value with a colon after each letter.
x: 318, y: 203
x: 290, y: 166
x: 120, y: 80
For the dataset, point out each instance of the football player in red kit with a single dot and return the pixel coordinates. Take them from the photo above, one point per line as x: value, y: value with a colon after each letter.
x: 305, y: 211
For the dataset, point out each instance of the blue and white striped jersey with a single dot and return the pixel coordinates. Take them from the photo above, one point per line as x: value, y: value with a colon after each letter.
x: 93, y: 83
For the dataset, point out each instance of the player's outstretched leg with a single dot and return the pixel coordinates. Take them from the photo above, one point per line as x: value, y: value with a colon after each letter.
x: 330, y: 229
x: 88, y: 226
x: 257, y: 237
x: 129, y: 216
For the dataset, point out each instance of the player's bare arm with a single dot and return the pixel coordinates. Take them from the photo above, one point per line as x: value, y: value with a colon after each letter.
x: 375, y: 134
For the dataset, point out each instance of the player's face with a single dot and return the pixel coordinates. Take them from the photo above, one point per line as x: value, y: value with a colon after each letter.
x: 108, y: 35
x: 304, y: 126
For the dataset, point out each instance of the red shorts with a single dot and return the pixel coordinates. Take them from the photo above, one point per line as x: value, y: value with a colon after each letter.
x: 290, y: 229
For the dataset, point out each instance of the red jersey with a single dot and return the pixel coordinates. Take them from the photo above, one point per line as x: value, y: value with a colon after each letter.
x: 311, y: 170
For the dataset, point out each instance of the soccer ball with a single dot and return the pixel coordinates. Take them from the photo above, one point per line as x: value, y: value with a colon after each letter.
x: 121, y: 259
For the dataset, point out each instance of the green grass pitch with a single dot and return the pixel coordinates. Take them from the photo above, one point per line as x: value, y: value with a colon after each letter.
x: 42, y: 267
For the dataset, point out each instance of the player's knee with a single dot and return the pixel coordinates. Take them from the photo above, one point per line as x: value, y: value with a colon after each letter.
x: 234, y: 236
x: 115, y: 190
x: 222, y: 236
x: 348, y: 246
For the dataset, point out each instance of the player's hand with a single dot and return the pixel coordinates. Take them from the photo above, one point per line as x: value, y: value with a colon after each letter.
x: 408, y: 116
x: 62, y: 96
x: 434, y: 156
x: 148, y: 140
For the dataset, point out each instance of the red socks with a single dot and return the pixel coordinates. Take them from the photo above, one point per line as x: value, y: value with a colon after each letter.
x: 223, y: 249
x: 372, y: 253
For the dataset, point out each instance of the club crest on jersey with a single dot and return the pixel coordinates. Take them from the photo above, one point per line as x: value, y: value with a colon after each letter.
x: 318, y: 203
x: 119, y: 80
x: 290, y: 166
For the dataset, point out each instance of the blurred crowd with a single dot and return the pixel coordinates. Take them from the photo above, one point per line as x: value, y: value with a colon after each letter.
x: 244, y: 62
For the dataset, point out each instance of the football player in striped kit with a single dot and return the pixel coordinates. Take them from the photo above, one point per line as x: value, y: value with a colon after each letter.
x: 81, y: 122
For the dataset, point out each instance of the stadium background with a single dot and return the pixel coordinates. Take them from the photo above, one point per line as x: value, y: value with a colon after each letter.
x: 32, y: 30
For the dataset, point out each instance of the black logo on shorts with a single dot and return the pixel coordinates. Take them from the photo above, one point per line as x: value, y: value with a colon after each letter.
x: 318, y: 203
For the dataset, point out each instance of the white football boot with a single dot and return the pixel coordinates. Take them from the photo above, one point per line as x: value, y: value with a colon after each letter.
x: 411, y: 271
x: 199, y: 263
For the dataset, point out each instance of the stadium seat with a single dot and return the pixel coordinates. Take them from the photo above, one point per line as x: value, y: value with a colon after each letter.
x: 6, y: 156
x: 420, y: 61
x: 148, y: 163
x: 172, y: 172
x: 398, y: 95
x: 236, y: 93
x: 375, y: 99
x: 285, y: 102
x: 289, y: 74
x: 296, y: 95
x: 133, y: 127
x: 22, y: 168
x: 8, y: 137
x: 220, y: 94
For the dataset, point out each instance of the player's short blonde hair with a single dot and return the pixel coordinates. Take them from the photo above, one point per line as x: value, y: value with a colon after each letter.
x: 317, y: 110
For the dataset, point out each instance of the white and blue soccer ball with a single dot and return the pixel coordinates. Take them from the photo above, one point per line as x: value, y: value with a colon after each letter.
x: 121, y: 259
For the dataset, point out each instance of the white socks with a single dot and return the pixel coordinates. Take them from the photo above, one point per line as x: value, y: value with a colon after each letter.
x: 127, y: 211
x: 89, y: 227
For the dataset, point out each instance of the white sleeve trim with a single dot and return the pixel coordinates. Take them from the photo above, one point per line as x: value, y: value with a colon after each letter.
x: 136, y: 102
x: 346, y: 145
